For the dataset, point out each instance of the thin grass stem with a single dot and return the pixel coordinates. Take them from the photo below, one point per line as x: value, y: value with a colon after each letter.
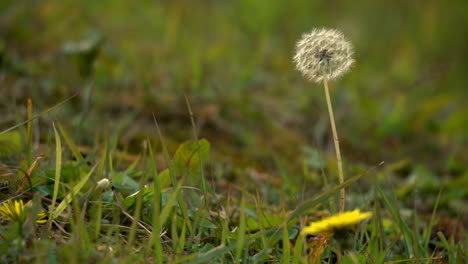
x: 335, y: 140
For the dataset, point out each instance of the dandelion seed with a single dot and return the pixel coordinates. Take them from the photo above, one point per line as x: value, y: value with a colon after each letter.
x: 323, y: 51
x: 336, y: 224
x: 13, y: 210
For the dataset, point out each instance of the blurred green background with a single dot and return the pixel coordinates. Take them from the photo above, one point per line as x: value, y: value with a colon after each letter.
x: 404, y: 102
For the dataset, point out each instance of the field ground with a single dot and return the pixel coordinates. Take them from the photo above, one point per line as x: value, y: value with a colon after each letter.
x: 264, y: 162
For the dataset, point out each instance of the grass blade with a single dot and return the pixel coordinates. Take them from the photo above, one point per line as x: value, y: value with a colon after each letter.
x: 73, y: 147
x: 170, y: 164
x: 39, y: 115
x: 240, y: 245
x: 58, y: 168
x: 326, y: 194
x: 206, y: 257
x: 286, y: 246
x: 66, y: 201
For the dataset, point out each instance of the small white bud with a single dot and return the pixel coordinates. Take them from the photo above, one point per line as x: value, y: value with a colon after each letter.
x: 102, y: 184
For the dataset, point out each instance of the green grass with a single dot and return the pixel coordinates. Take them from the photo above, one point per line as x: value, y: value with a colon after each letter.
x: 216, y: 148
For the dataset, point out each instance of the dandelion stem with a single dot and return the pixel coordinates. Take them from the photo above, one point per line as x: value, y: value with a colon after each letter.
x: 335, y: 139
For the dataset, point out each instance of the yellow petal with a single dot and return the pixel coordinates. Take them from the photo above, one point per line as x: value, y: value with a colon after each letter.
x: 327, y: 225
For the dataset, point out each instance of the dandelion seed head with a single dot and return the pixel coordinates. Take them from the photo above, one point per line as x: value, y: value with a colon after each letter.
x: 323, y: 51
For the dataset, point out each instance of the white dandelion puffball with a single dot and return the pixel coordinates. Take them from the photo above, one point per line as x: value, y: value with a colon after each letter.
x: 323, y: 51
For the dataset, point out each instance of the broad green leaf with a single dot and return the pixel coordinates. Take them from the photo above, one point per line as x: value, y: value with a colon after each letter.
x: 359, y: 259
x: 190, y: 156
x: 164, y: 178
x: 10, y: 142
x: 268, y: 221
x: 125, y: 183
x: 130, y: 200
x: 313, y: 159
x: 206, y: 257
x: 262, y: 257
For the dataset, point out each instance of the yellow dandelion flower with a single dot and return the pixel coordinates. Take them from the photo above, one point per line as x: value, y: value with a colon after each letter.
x: 333, y: 224
x: 13, y: 210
